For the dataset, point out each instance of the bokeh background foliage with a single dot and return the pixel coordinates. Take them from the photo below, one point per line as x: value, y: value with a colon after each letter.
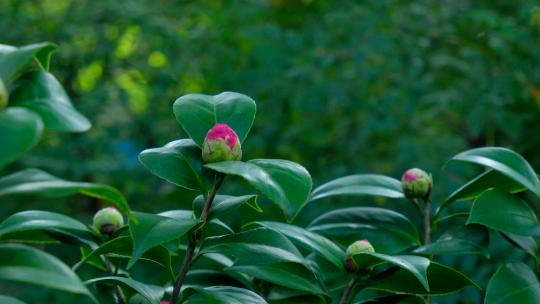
x: 341, y: 86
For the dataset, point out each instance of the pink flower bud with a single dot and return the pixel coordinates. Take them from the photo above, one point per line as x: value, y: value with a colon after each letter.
x: 221, y: 144
x: 362, y: 246
x: 416, y: 183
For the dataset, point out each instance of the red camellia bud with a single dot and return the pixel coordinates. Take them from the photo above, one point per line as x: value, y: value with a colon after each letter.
x: 221, y: 144
x: 416, y: 183
x: 362, y: 246
x: 108, y: 220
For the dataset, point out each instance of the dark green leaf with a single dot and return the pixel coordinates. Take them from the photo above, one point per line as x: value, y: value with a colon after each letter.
x: 151, y: 293
x: 224, y: 204
x: 179, y: 162
x: 513, y: 283
x: 220, y: 294
x: 198, y: 113
x: 285, y: 183
x: 312, y: 241
x: 43, y: 94
x: 387, y: 230
x: 37, y: 182
x: 506, y: 162
x: 20, y: 263
x: 13, y: 59
x: 502, y: 211
x: 152, y: 230
x: 20, y: 130
x: 527, y: 243
x: 472, y: 239
x: 360, y: 184
x: 9, y: 300
x: 415, y: 265
x: 39, y: 220
x: 442, y: 280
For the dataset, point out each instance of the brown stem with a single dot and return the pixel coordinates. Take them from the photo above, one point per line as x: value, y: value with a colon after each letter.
x: 347, y: 291
x: 117, y: 291
x: 195, y: 238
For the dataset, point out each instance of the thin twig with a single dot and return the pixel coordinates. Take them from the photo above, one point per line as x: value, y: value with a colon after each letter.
x: 193, y: 239
x: 347, y: 292
x: 117, y: 291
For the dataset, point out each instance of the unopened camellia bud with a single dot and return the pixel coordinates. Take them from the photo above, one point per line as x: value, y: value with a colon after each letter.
x: 221, y: 144
x: 108, y: 220
x: 416, y: 183
x: 362, y: 246
x: 4, y: 97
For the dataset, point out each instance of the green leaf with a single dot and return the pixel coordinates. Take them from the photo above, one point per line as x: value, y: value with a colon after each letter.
x: 152, y: 230
x: 179, y: 162
x: 442, y: 280
x: 527, y: 243
x: 39, y: 220
x: 265, y: 254
x: 513, y: 282
x: 150, y: 292
x: 224, y: 204
x: 310, y: 240
x: 10, y: 300
x: 198, y: 113
x: 484, y: 181
x: 415, y: 265
x: 505, y: 161
x: 13, y: 60
x: 387, y: 230
x: 37, y: 182
x: 20, y: 263
x: 42, y: 93
x: 472, y: 239
x: 502, y: 211
x: 284, y: 182
x: 20, y: 130
x: 360, y: 184
x: 221, y: 294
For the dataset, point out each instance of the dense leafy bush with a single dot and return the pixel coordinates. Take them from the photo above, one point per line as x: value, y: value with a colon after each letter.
x: 363, y: 254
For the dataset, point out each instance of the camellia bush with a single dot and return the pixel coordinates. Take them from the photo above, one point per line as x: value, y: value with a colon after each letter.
x: 209, y: 254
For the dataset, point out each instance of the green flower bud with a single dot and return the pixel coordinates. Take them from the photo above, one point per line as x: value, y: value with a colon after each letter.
x: 108, y: 220
x: 362, y: 246
x: 416, y: 183
x: 4, y: 96
x: 221, y: 144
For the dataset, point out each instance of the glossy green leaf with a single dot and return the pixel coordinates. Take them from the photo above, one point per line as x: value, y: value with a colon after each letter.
x: 42, y: 93
x: 9, y: 300
x: 502, y: 211
x: 284, y: 182
x: 387, y: 230
x: 221, y: 294
x: 360, y: 185
x: 527, y: 243
x: 442, y: 280
x: 37, y: 182
x: 198, y: 113
x: 471, y: 239
x: 39, y: 220
x: 20, y: 263
x: 152, y: 230
x: 310, y: 240
x: 265, y: 254
x: 150, y: 292
x: 13, y: 60
x: 506, y: 162
x: 179, y: 162
x: 415, y: 265
x: 20, y: 130
x: 513, y: 282
x: 224, y: 204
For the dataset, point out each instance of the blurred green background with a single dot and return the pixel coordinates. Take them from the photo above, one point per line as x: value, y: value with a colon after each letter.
x: 342, y: 87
